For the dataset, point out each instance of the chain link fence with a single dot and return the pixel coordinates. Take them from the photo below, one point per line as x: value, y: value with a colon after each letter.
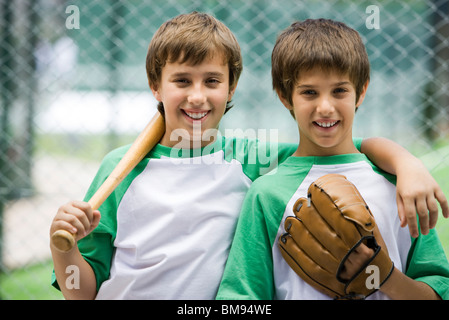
x: 73, y: 87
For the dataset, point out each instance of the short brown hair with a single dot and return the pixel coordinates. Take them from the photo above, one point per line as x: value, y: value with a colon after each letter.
x: 322, y: 43
x: 192, y: 38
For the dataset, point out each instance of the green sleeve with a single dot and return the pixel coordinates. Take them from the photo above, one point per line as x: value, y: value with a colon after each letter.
x: 248, y: 273
x: 427, y: 262
x: 97, y: 248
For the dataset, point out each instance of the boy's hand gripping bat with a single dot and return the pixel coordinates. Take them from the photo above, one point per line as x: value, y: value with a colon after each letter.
x: 147, y: 139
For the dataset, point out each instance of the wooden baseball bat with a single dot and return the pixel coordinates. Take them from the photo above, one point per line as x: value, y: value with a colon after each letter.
x: 147, y: 139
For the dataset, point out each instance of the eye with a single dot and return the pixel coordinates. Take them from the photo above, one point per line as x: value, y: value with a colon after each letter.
x: 181, y: 82
x: 340, y: 90
x: 309, y: 92
x: 213, y: 82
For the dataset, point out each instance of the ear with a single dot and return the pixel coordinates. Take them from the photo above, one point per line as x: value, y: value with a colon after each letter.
x: 284, y: 101
x: 231, y: 92
x: 362, y: 94
x: 156, y: 94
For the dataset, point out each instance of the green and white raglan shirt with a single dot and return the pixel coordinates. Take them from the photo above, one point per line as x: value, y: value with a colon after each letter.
x: 256, y: 269
x: 166, y: 230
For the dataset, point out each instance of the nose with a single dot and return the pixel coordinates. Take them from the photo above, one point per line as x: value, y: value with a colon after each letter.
x: 196, y: 95
x: 325, y: 106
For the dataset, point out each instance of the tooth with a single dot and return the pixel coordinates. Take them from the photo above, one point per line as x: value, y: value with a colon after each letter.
x: 196, y: 115
x: 326, y: 124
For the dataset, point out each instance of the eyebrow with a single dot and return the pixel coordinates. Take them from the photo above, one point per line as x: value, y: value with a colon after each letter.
x: 305, y: 86
x: 209, y: 74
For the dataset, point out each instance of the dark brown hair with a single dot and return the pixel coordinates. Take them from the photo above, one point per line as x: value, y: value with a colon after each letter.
x: 318, y: 43
x: 192, y: 38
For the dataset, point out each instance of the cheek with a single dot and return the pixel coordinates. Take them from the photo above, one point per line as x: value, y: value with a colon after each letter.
x: 302, y: 109
x: 350, y: 109
x: 171, y: 97
x: 219, y: 99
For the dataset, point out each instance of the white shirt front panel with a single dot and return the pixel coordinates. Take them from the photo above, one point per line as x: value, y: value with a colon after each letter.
x: 379, y: 194
x: 175, y: 225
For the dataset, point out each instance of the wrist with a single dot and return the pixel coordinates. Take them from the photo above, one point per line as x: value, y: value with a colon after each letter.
x: 408, y: 165
x: 390, y: 283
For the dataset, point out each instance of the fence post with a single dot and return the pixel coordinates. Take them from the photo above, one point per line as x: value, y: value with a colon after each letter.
x: 7, y: 86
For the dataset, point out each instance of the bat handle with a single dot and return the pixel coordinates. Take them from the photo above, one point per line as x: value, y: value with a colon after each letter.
x: 63, y: 240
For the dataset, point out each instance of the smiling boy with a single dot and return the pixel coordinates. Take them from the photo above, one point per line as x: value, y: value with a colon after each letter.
x: 166, y: 230
x: 320, y: 72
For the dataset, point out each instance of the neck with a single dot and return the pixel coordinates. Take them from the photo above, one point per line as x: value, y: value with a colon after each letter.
x: 320, y: 151
x: 188, y: 142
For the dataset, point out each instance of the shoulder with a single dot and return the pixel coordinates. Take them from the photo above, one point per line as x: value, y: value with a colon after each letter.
x: 115, y: 155
x: 256, y: 157
x: 244, y: 145
x: 110, y: 161
x: 280, y: 183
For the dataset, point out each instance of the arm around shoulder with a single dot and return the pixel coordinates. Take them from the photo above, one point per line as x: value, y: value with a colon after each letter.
x: 417, y: 190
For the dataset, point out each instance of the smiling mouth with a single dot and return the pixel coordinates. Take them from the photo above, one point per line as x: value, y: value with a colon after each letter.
x: 326, y: 124
x: 196, y: 115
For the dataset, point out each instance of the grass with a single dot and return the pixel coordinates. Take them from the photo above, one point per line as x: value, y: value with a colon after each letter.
x: 29, y: 283
x: 83, y: 146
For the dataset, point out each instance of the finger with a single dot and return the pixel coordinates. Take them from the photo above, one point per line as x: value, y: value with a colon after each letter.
x: 96, y: 220
x: 85, y: 208
x: 423, y: 215
x: 363, y: 253
x: 85, y: 213
x: 401, y: 211
x: 432, y: 206
x: 77, y: 218
x: 356, y: 260
x: 63, y: 225
x: 410, y: 216
x: 439, y: 195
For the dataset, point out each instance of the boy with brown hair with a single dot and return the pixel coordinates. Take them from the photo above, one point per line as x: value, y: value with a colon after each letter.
x: 165, y: 232
x: 320, y: 72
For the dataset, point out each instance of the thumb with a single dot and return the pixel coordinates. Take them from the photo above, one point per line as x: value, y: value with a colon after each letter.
x: 96, y: 220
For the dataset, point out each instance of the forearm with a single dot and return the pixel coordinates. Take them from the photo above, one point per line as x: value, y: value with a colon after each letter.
x: 75, y: 276
x: 388, y: 155
x: 401, y: 287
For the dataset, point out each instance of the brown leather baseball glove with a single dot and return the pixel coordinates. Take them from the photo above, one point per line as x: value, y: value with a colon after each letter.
x: 326, y: 228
